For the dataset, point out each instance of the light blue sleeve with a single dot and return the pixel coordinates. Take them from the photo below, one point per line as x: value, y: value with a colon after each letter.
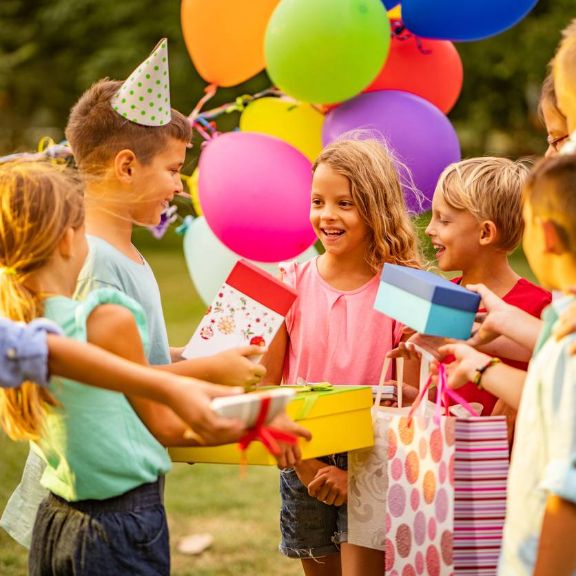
x: 559, y: 476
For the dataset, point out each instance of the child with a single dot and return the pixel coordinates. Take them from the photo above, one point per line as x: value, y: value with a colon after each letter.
x: 132, y: 171
x: 541, y: 509
x: 333, y: 333
x: 476, y: 223
x: 103, y: 464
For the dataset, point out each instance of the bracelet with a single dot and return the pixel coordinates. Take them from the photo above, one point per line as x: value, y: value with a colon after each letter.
x: 480, y: 371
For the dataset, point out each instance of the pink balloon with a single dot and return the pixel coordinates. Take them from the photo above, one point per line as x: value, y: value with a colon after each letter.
x: 255, y: 194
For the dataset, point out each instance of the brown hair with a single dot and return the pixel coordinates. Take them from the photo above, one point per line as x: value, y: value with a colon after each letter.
x: 489, y: 188
x: 377, y: 194
x: 548, y: 94
x: 97, y: 133
x: 550, y: 191
x: 39, y: 202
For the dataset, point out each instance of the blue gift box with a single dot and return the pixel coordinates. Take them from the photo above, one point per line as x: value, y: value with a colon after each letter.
x: 426, y: 302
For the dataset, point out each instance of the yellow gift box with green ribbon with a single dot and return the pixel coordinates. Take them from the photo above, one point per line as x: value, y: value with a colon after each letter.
x: 338, y: 417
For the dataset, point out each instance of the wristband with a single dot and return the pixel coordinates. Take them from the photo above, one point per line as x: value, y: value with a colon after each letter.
x: 480, y: 371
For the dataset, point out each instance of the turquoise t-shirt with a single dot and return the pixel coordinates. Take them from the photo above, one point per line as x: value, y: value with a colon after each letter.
x: 107, y: 267
x: 95, y: 445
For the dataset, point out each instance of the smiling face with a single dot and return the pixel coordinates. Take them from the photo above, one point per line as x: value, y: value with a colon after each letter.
x: 454, y: 234
x: 334, y: 216
x: 155, y: 184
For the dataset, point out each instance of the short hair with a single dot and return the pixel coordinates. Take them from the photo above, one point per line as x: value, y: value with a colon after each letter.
x: 550, y: 190
x: 97, y: 132
x: 371, y: 170
x: 489, y: 188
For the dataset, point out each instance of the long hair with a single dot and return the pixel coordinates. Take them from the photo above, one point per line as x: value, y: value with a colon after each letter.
x: 377, y: 193
x: 39, y: 202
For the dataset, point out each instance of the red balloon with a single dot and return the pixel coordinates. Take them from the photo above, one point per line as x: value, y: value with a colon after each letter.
x: 431, y: 69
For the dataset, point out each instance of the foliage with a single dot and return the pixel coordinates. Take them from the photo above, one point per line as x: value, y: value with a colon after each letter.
x: 52, y: 50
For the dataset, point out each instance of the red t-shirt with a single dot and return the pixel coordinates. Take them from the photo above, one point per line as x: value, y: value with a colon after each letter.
x: 527, y: 297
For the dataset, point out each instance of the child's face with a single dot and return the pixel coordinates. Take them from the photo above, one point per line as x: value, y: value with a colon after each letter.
x: 565, y: 94
x: 155, y: 184
x: 454, y: 233
x: 334, y: 216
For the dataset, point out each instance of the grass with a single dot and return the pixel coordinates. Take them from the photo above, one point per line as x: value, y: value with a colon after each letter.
x: 240, y: 510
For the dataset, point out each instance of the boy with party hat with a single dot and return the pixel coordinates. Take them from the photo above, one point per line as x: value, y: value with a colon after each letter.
x: 130, y: 146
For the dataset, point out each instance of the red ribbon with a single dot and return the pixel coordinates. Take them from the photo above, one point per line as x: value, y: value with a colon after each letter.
x: 268, y: 435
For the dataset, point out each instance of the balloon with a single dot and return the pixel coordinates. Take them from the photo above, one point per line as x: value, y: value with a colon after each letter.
x: 192, y: 182
x: 395, y: 13
x: 431, y: 69
x: 461, y: 20
x: 225, y: 38
x: 326, y: 51
x: 255, y: 194
x: 209, y: 261
x: 297, y: 123
x: 417, y: 132
x: 389, y: 4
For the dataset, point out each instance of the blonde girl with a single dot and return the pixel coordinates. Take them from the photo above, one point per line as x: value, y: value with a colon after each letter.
x: 333, y: 334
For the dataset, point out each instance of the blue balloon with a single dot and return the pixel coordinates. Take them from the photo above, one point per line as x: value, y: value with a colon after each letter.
x: 419, y: 135
x: 389, y: 4
x: 463, y: 20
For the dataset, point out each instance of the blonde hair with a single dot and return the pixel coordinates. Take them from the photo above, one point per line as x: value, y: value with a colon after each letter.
x: 39, y: 202
x: 377, y: 194
x: 566, y: 53
x: 490, y: 189
x: 550, y: 190
x: 97, y: 132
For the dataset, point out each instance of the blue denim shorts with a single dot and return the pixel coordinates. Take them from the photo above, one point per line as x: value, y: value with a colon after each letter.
x: 127, y: 534
x: 310, y: 528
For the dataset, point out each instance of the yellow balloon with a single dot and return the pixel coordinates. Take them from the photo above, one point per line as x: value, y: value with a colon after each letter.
x: 192, y: 183
x: 297, y: 123
x: 395, y: 13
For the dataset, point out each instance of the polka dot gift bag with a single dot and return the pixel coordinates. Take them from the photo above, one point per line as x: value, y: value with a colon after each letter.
x: 441, y: 490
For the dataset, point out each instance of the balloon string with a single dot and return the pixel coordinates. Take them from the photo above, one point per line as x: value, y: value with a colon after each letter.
x: 400, y: 32
x: 209, y: 92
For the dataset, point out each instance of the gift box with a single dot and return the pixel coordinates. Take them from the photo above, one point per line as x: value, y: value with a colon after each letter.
x: 337, y: 416
x: 426, y: 302
x: 248, y: 309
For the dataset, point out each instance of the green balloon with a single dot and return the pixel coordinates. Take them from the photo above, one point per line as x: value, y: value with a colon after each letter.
x: 326, y: 51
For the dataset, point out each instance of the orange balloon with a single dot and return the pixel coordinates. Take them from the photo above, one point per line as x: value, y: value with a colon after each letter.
x: 225, y: 38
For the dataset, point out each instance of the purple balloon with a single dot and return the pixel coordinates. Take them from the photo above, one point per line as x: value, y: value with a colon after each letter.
x: 255, y: 194
x: 419, y: 134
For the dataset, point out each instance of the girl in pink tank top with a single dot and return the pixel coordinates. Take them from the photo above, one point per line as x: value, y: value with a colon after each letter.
x: 332, y: 333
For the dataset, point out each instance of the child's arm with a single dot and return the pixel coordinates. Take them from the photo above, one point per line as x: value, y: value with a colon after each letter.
x: 503, y: 319
x: 273, y: 360
x: 556, y: 550
x: 230, y: 368
x: 188, y: 398
x: 114, y: 329
x: 501, y: 380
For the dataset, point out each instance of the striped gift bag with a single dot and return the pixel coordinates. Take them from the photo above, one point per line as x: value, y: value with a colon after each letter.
x: 480, y: 475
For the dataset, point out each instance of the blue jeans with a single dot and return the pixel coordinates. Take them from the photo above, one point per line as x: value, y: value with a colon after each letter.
x: 127, y: 534
x: 310, y: 528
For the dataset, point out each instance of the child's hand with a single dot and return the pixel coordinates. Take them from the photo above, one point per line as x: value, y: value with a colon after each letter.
x: 236, y: 369
x: 491, y: 324
x: 330, y: 485
x: 290, y: 455
x: 466, y: 361
x: 207, y: 428
x: 408, y: 350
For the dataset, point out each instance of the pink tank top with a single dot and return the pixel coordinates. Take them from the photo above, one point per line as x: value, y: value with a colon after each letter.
x: 335, y: 336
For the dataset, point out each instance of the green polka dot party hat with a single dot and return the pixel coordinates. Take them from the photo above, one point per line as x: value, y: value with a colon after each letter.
x: 144, y: 98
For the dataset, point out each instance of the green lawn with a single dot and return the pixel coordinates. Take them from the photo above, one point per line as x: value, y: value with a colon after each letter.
x: 240, y: 510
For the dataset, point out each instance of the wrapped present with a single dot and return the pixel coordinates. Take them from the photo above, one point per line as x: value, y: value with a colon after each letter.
x: 337, y: 416
x: 426, y: 302
x: 249, y: 308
